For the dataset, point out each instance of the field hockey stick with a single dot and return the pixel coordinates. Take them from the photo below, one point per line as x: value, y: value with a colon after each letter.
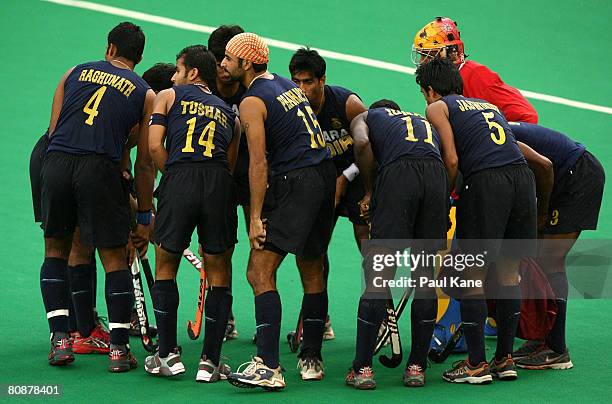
x: 141, y: 308
x: 440, y: 356
x: 393, y: 329
x: 380, y: 342
x: 294, y: 338
x: 194, y: 328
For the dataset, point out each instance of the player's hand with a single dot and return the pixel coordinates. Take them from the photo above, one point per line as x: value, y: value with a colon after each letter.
x: 131, y: 251
x: 141, y: 236
x: 341, y: 183
x: 257, y: 233
x: 364, y: 208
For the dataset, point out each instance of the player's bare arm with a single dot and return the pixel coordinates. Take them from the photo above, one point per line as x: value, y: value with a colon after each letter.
x: 157, y: 132
x: 58, y: 97
x: 437, y: 115
x: 542, y: 168
x: 144, y: 175
x: 232, y: 151
x: 252, y: 115
x: 364, y: 158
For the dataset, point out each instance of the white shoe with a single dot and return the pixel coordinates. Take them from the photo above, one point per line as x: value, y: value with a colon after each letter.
x: 209, y: 373
x: 311, y: 368
x: 168, y: 366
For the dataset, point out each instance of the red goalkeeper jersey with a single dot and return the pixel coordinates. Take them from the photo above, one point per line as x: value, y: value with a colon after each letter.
x: 481, y: 82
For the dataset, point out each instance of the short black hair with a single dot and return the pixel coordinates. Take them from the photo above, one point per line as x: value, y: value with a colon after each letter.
x: 218, y: 39
x: 441, y: 75
x: 159, y: 76
x: 129, y: 40
x: 385, y: 103
x: 307, y: 60
x: 260, y: 67
x: 199, y: 57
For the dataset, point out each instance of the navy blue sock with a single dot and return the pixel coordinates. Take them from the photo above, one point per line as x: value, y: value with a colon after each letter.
x: 370, y: 315
x: 165, y: 296
x: 217, y: 307
x: 94, y: 280
x: 268, y: 313
x: 556, y: 337
x: 508, y: 312
x: 80, y: 288
x: 72, y: 320
x: 119, y: 301
x: 422, y: 319
x: 473, y: 316
x: 55, y: 293
x: 314, y: 313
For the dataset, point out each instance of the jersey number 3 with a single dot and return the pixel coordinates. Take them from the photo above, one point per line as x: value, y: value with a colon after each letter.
x: 91, y: 108
x: 204, y: 140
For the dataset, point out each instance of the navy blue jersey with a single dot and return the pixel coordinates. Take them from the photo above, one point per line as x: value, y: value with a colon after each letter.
x: 234, y: 103
x: 560, y: 149
x: 483, y: 138
x: 293, y: 135
x: 395, y: 134
x: 101, y: 104
x: 200, y: 127
x: 335, y: 126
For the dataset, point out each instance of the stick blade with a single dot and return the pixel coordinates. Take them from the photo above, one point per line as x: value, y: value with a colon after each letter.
x: 190, y: 332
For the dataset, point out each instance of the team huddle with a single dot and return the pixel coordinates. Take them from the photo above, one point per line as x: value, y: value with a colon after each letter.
x: 297, y: 153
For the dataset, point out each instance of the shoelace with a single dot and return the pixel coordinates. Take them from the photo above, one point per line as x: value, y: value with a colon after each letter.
x: 366, y: 371
x: 251, y: 367
x: 415, y: 369
x: 457, y: 366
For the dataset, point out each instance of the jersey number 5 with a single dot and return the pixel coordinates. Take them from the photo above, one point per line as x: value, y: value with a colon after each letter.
x: 205, y: 141
x: 320, y: 142
x: 498, y: 139
x: 91, y: 108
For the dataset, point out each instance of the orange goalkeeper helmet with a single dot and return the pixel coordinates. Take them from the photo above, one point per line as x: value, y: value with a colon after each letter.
x: 441, y: 33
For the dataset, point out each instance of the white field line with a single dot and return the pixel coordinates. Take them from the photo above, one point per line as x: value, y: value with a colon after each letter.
x: 379, y: 64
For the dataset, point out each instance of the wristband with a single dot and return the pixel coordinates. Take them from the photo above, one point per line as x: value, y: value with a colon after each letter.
x: 158, y: 119
x: 351, y: 172
x: 144, y: 218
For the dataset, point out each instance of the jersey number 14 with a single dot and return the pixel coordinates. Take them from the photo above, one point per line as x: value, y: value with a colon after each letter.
x: 206, y: 137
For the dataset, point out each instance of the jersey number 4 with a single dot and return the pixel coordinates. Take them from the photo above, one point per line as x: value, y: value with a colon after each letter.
x: 206, y: 138
x: 91, y: 108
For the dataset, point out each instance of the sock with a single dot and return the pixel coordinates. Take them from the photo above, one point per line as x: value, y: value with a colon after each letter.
x: 217, y: 306
x: 422, y: 319
x: 508, y: 312
x: 55, y: 293
x: 473, y: 315
x: 556, y: 337
x: 165, y: 296
x: 268, y: 313
x: 370, y: 315
x: 72, y: 320
x: 94, y: 282
x: 314, y: 313
x: 119, y: 301
x: 80, y: 288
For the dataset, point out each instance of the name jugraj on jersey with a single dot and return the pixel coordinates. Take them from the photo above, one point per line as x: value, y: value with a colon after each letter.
x: 123, y: 85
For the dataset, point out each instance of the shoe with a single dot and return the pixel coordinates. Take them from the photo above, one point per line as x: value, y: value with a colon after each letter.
x: 527, y: 349
x: 61, y: 352
x: 169, y: 366
x: 362, y: 380
x: 230, y: 330
x: 328, y: 334
x: 120, y: 359
x: 86, y: 345
x: 463, y: 372
x: 101, y: 332
x: 208, y: 372
x: 505, y: 369
x: 134, y: 324
x: 414, y: 376
x: 311, y: 367
x: 546, y: 359
x: 256, y: 374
